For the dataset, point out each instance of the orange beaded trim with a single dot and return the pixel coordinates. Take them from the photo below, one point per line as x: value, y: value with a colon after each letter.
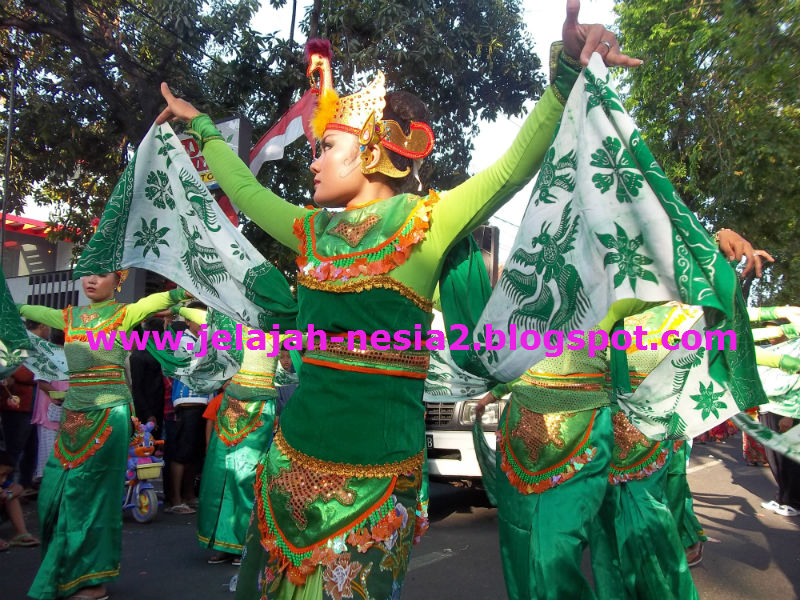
x: 529, y: 482
x: 654, y: 461
x: 70, y: 460
x: 378, y: 523
x: 378, y: 260
x: 367, y: 283
x: 77, y: 334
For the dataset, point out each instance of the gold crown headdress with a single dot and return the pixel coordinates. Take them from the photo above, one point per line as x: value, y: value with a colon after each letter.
x: 361, y: 114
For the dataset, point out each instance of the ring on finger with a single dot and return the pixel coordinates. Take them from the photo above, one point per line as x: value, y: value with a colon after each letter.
x: 606, y: 44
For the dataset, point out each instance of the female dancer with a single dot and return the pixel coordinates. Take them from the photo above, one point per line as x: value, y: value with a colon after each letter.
x: 80, y: 513
x: 337, y: 492
x: 243, y: 432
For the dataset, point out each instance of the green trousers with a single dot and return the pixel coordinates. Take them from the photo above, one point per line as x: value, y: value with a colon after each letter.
x: 636, y: 545
x: 679, y: 499
x: 543, y: 536
x: 226, y: 488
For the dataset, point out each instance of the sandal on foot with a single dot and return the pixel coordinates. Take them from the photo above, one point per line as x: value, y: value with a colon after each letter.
x: 83, y: 596
x: 24, y: 539
x: 237, y: 561
x: 180, y: 509
x: 219, y: 557
x: 694, y: 554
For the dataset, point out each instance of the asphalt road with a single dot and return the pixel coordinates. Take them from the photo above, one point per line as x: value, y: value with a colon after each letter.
x: 751, y: 554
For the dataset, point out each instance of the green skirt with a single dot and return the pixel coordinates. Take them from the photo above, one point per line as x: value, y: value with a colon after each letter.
x: 229, y: 472
x: 80, y: 506
x: 317, y: 536
x: 543, y: 535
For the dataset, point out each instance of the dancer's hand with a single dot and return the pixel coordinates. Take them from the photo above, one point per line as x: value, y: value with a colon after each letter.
x: 481, y: 407
x: 790, y: 313
x: 734, y: 247
x: 785, y: 424
x: 177, y: 109
x: 580, y: 41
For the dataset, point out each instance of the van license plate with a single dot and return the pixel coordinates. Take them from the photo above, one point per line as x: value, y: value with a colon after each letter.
x: 429, y: 440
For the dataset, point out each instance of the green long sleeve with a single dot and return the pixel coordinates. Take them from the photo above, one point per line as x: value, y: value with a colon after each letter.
x: 269, y: 211
x: 465, y: 207
x: 768, y: 358
x: 195, y: 315
x: 501, y: 389
x: 149, y: 305
x: 454, y: 216
x: 52, y: 317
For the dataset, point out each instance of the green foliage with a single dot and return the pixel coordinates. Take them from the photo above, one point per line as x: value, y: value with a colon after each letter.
x: 466, y: 60
x: 88, y: 73
x: 717, y: 101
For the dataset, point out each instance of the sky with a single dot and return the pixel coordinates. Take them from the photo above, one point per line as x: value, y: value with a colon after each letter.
x: 544, y: 19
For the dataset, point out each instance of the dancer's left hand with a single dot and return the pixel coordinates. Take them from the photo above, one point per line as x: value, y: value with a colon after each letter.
x: 580, y: 41
x: 734, y: 247
x: 177, y: 109
x: 482, y: 403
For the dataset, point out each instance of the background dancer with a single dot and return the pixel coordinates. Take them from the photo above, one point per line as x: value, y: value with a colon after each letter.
x: 79, y: 499
x: 241, y: 437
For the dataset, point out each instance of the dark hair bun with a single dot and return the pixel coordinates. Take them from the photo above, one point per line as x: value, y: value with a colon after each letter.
x: 404, y: 107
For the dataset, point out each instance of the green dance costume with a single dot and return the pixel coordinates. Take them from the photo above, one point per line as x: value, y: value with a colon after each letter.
x: 648, y: 560
x: 337, y: 495
x: 554, y: 449
x: 573, y: 472
x: 243, y: 432
x: 80, y: 501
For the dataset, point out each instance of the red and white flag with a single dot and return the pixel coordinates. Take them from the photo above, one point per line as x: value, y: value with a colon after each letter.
x: 289, y: 127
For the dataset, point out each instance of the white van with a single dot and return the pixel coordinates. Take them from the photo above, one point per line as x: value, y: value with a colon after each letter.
x: 448, y: 435
x: 451, y: 395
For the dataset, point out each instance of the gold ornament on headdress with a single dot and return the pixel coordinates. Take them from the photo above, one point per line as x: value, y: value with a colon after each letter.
x: 361, y: 114
x: 123, y: 275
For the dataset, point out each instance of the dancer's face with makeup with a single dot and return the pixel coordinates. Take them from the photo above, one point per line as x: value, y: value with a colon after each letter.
x: 99, y: 288
x: 337, y: 170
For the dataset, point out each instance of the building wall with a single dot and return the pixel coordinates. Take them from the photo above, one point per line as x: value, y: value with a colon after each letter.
x: 28, y: 254
x: 57, y: 289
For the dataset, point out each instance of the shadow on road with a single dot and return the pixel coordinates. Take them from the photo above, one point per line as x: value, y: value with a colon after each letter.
x: 447, y: 499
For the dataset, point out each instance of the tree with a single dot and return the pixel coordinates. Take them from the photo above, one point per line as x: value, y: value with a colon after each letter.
x: 87, y: 89
x: 466, y: 60
x: 89, y: 72
x: 717, y: 102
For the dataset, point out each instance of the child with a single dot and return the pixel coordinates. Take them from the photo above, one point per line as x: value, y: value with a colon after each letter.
x: 9, y: 500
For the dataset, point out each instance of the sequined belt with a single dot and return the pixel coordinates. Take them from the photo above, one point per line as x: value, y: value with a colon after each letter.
x: 398, y: 363
x: 589, y: 382
x: 98, y: 376
x: 551, y: 393
x: 254, y: 379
